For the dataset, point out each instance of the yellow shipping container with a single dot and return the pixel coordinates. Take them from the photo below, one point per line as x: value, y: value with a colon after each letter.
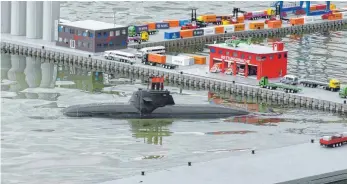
x: 199, y: 60
x: 332, y: 6
x: 256, y: 25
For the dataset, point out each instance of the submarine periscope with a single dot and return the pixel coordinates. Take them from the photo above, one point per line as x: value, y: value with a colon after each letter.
x: 150, y: 103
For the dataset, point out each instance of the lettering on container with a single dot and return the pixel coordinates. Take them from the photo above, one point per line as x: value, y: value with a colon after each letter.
x: 198, y: 32
x: 162, y: 25
x: 235, y: 59
x: 208, y: 31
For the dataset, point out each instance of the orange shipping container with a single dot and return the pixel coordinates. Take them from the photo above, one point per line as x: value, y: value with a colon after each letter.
x: 173, y: 23
x: 209, y: 18
x: 275, y: 24
x: 219, y: 29
x: 186, y: 33
x: 313, y: 8
x: 157, y: 58
x: 256, y: 25
x: 151, y: 26
x: 239, y: 27
x: 241, y: 19
x: 297, y: 21
x: 199, y: 60
x: 336, y: 16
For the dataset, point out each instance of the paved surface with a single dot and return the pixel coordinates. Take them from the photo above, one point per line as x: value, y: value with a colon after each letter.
x: 264, y: 167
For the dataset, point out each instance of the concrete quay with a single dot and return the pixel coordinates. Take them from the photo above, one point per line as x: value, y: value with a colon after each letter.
x: 200, y: 41
x: 179, y: 76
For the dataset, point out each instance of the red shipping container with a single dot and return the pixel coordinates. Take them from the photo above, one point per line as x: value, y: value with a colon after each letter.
x: 321, y: 6
x: 278, y: 46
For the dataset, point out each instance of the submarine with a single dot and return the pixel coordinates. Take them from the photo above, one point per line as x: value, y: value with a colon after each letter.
x: 152, y: 103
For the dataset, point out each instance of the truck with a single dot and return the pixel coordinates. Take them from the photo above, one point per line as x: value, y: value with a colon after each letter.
x: 157, y: 60
x: 139, y: 30
x: 343, y: 92
x: 194, y: 22
x: 290, y: 79
x: 332, y: 85
x: 334, y: 141
x: 264, y: 83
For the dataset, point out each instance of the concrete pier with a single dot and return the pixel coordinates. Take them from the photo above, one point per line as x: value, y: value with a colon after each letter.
x: 18, y: 18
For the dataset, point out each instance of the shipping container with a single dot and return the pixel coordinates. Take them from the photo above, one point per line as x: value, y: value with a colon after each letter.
x: 229, y: 28
x: 209, y: 30
x: 321, y: 6
x: 172, y: 35
x: 182, y: 60
x: 162, y: 25
x: 198, y: 32
x: 188, y: 33
x: 241, y: 19
x: 239, y: 27
x: 157, y: 58
x: 219, y: 29
x: 297, y: 21
x: 173, y: 23
x: 274, y: 24
x: 313, y: 8
x: 338, y: 16
x: 151, y: 26
x: 209, y: 18
x: 256, y: 25
x: 140, y: 28
x: 183, y: 22
x: 199, y: 60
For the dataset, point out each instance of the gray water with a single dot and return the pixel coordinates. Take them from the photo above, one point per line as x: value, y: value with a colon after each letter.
x: 39, y: 145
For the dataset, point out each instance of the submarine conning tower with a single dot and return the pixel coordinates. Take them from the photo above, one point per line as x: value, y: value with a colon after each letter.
x: 146, y: 101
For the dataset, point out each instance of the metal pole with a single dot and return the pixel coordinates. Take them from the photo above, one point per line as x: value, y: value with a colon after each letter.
x: 114, y: 19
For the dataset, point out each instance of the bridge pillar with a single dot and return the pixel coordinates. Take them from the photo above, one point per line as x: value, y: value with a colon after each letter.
x: 18, y: 18
x: 34, y: 14
x: 51, y: 13
x: 5, y: 65
x: 33, y: 71
x: 47, y: 74
x: 5, y: 16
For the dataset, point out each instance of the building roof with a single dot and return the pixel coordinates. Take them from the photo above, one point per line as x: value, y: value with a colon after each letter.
x: 256, y: 49
x: 297, y: 162
x: 92, y: 25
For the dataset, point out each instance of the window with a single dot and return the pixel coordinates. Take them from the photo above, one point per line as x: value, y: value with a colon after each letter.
x: 79, y: 32
x: 79, y: 43
x: 60, y: 39
x: 249, y: 57
x: 234, y: 54
x: 258, y: 58
x: 99, y: 35
x: 124, y: 32
x: 91, y: 35
x: 67, y: 30
x: 105, y: 34
x: 72, y: 31
x: 117, y: 33
x: 212, y: 50
x: 271, y: 57
x: 105, y: 45
x: 84, y: 34
x: 111, y: 33
x: 285, y: 55
x: 98, y: 45
x: 111, y: 44
x: 242, y: 56
x: 60, y: 29
x: 227, y: 53
x: 263, y: 57
x: 279, y: 56
x: 220, y: 51
x: 65, y: 40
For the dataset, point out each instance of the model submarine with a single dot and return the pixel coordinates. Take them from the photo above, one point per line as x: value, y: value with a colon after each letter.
x: 154, y: 102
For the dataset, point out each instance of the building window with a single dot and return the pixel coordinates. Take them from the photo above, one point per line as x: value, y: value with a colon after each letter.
x: 111, y: 33
x: 79, y: 32
x: 227, y: 53
x: 79, y: 43
x: 99, y: 35
x: 220, y: 51
x: 67, y: 30
x: 234, y: 54
x: 105, y: 45
x: 60, y: 39
x: 263, y: 58
x: 65, y: 40
x: 105, y: 34
x: 242, y: 56
x: 285, y: 55
x: 72, y: 31
x: 84, y: 34
x: 271, y: 57
x: 249, y: 57
x: 117, y: 33
x: 279, y: 56
x: 91, y: 35
x: 111, y: 44
x: 124, y: 32
x: 60, y: 29
x: 98, y: 45
x: 258, y: 58
x: 212, y: 50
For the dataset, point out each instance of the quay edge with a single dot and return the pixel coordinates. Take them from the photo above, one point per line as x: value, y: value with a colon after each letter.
x: 173, y: 76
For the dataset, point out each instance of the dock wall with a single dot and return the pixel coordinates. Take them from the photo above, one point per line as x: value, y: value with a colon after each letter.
x: 202, y: 40
x: 175, y: 77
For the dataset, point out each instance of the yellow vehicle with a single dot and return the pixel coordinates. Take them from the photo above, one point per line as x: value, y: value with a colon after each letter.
x: 333, y: 85
x: 144, y: 36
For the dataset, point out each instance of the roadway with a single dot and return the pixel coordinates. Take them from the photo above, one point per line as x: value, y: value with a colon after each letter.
x: 296, y: 162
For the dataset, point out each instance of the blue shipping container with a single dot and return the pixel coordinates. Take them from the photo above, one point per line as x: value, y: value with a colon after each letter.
x: 198, y: 32
x: 162, y: 25
x: 184, y: 22
x: 138, y: 29
x: 171, y: 35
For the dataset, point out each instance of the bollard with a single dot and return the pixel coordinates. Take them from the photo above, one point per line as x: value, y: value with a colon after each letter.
x: 43, y: 47
x: 312, y: 140
x: 344, y: 101
x: 89, y: 55
x: 233, y: 82
x: 253, y: 152
x: 181, y: 73
x: 142, y: 173
x: 189, y: 164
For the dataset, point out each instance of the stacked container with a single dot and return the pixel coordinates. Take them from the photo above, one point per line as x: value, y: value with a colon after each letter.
x: 162, y: 25
x: 140, y: 28
x: 183, y: 22
x: 229, y: 28
x: 219, y: 29
x: 297, y: 21
x: 274, y: 24
x: 239, y: 27
x: 173, y: 23
x: 209, y: 31
x: 182, y: 60
x: 172, y: 35
x: 256, y: 25
x: 199, y: 60
x: 188, y: 33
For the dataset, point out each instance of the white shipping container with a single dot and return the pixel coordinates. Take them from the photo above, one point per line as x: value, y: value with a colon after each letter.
x: 257, y: 12
x: 308, y: 19
x: 182, y: 60
x: 229, y: 28
x: 327, y: 138
x: 344, y: 15
x: 209, y: 30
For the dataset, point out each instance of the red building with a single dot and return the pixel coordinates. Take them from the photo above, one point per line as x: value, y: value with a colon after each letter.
x: 249, y: 60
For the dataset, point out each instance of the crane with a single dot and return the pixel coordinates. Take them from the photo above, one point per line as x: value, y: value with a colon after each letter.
x: 194, y: 22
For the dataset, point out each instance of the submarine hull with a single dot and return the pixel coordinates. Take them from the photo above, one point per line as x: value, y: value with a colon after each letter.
x: 126, y: 111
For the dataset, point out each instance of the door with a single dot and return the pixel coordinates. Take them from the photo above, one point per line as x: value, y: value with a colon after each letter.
x: 72, y: 44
